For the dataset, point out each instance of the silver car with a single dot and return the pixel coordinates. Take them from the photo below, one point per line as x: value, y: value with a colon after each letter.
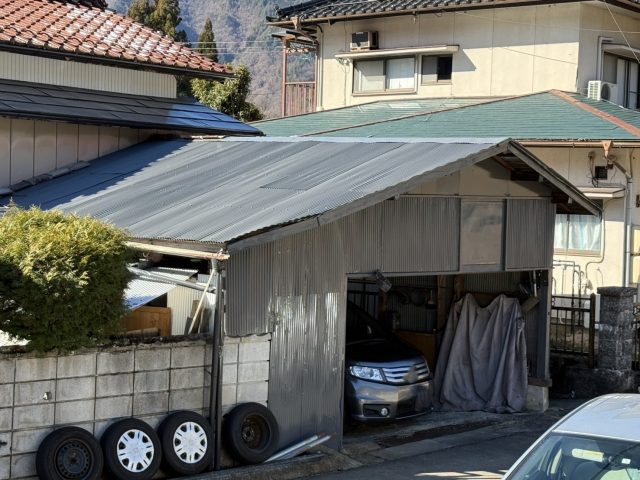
x: 598, y: 441
x: 385, y: 379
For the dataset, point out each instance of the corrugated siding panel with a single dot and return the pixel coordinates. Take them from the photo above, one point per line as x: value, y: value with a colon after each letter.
x: 492, y: 282
x: 83, y: 75
x: 307, y: 346
x: 529, y: 234
x: 296, y: 288
x: 180, y: 301
x: 248, y: 285
x: 421, y: 235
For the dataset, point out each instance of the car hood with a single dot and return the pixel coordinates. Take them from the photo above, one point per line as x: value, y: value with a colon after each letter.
x: 379, y: 352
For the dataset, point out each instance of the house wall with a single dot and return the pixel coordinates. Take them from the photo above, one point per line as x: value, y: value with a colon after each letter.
x: 587, y: 272
x: 31, y: 68
x: 296, y: 289
x: 505, y: 51
x: 596, y: 21
x: 92, y: 388
x: 31, y: 148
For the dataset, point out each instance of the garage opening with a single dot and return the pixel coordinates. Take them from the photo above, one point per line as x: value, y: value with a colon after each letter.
x: 396, y: 323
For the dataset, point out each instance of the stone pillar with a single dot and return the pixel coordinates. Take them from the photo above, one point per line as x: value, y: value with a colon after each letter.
x: 615, y: 338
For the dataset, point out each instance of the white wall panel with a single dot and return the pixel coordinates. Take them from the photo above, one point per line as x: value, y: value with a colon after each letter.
x: 67, y: 144
x: 22, y: 146
x: 89, y: 143
x: 109, y: 140
x: 31, y: 148
x: 29, y: 68
x: 45, y: 148
x: 5, y: 152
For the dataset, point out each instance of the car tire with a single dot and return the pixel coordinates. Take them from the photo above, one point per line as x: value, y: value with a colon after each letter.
x: 251, y: 433
x: 187, y: 443
x: 131, y: 450
x: 69, y: 453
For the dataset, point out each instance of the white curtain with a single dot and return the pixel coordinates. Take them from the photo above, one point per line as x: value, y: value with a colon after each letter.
x: 578, y: 232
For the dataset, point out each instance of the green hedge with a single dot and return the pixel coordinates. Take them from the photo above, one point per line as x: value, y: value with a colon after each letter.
x: 62, y: 278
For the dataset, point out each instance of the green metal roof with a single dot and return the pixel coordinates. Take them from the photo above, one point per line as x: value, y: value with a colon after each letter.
x: 543, y: 116
x: 359, y: 114
x: 627, y: 115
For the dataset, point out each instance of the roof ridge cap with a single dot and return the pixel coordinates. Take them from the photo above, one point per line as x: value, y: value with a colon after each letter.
x: 609, y: 117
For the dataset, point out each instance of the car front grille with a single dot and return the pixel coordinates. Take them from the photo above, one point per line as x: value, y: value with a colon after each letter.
x: 407, y: 374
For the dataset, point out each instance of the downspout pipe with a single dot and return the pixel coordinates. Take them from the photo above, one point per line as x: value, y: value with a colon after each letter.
x: 628, y: 200
x: 627, y: 233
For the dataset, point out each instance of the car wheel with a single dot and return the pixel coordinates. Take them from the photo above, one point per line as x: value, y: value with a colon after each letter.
x: 251, y: 433
x: 186, y: 439
x: 131, y: 450
x: 69, y: 453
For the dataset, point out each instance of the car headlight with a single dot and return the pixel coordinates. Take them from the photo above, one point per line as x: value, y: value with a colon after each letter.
x: 366, y: 373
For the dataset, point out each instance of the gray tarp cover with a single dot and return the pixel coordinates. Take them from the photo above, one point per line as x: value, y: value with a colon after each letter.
x: 482, y: 363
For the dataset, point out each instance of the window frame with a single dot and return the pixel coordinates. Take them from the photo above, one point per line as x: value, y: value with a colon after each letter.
x: 578, y: 252
x: 386, y: 90
x: 437, y: 81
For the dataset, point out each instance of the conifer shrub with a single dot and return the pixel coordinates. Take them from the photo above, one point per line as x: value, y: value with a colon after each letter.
x: 62, y: 278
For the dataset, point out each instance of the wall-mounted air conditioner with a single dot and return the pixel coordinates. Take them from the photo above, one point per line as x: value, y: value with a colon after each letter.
x: 599, y: 90
x: 362, y: 41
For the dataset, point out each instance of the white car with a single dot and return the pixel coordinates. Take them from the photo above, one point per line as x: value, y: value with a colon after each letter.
x: 600, y: 440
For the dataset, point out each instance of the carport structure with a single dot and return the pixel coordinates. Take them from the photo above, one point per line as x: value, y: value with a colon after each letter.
x: 293, y: 220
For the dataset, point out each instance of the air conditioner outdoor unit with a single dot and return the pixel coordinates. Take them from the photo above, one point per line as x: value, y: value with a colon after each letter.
x: 599, y: 90
x: 361, y: 41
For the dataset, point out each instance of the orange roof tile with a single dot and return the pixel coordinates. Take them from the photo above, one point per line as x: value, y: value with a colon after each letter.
x: 84, y: 28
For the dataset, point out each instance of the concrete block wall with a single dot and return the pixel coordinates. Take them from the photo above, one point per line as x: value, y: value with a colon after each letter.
x: 245, y: 373
x: 91, y: 389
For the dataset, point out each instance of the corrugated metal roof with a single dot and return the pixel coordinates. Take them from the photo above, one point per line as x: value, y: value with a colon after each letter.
x: 221, y: 191
x: 359, y: 114
x: 141, y: 290
x: 49, y: 102
x: 543, y: 116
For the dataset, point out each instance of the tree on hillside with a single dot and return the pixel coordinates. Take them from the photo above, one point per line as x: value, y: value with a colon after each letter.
x: 163, y: 16
x: 229, y: 97
x: 140, y: 10
x: 207, y: 42
x: 166, y: 18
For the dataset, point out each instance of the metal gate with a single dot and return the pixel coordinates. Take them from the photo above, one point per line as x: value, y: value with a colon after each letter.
x: 574, y: 328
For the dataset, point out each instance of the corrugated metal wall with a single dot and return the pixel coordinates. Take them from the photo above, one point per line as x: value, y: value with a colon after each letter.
x: 529, y: 234
x: 296, y: 288
x: 29, y: 68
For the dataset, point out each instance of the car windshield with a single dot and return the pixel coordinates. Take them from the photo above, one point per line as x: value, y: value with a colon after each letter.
x: 361, y: 326
x: 573, y: 457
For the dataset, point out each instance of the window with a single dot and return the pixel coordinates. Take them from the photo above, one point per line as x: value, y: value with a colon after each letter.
x: 436, y: 69
x: 578, y: 233
x: 383, y: 75
x: 624, y: 73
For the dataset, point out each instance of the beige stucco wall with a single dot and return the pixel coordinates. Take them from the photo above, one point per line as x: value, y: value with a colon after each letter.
x: 30, y: 68
x: 30, y: 148
x: 504, y: 51
x: 596, y: 21
x: 588, y: 272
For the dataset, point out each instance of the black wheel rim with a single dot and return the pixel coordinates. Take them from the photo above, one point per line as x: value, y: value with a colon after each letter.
x: 255, y: 432
x: 73, y: 460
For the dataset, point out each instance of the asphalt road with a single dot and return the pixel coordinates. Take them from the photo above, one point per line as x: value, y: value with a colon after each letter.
x: 486, y: 460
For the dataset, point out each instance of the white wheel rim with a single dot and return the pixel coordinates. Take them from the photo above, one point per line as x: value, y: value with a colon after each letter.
x: 190, y: 442
x: 135, y: 450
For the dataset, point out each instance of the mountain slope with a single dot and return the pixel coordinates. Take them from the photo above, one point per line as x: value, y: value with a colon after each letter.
x: 242, y: 36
